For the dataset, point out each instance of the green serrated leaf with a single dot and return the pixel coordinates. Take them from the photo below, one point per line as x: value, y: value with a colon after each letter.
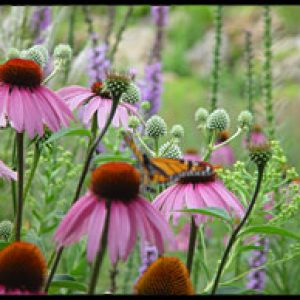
x: 268, y: 229
x: 210, y: 211
x: 69, y: 132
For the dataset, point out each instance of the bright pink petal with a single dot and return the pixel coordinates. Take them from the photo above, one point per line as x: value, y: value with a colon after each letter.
x: 74, y: 224
x: 113, y: 232
x: 72, y: 91
x: 102, y: 114
x: 15, y: 109
x: 95, y: 229
x: 90, y: 109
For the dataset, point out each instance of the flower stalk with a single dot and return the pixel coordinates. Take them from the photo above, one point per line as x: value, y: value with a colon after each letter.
x: 238, y: 229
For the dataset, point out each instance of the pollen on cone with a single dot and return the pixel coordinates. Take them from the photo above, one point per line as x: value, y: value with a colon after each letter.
x: 165, y: 276
x: 22, y: 266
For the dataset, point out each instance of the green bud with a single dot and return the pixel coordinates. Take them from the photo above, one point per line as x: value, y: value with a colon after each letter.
x: 170, y: 150
x: 145, y: 105
x: 13, y: 53
x: 133, y: 122
x: 245, y: 119
x: 177, y: 131
x: 218, y: 120
x: 132, y: 95
x: 6, y: 228
x: 156, y: 127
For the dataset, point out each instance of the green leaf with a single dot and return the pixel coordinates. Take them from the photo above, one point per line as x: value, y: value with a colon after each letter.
x: 249, y: 248
x: 68, y: 132
x: 3, y: 244
x: 67, y: 281
x: 268, y: 229
x: 210, y: 211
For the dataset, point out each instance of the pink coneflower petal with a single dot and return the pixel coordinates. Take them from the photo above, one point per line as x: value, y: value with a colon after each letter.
x: 90, y: 109
x: 102, y: 114
x: 74, y: 223
x: 72, y: 91
x: 15, y: 110
x: 95, y: 229
x: 6, y: 172
x: 32, y: 115
x: 112, y: 233
x: 4, y: 93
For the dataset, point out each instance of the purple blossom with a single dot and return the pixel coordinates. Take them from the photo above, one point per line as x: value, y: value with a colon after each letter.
x: 149, y: 255
x: 97, y: 63
x: 223, y: 156
x: 257, y: 278
x: 160, y: 15
x: 40, y: 20
x: 151, y: 88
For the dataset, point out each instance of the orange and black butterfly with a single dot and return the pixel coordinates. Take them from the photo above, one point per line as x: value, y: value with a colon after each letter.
x: 164, y: 170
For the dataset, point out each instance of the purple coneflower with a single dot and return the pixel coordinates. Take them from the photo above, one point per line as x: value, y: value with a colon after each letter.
x: 197, y: 191
x: 92, y: 101
x: 26, y: 103
x: 130, y: 214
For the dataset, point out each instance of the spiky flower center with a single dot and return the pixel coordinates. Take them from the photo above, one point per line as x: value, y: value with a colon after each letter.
x: 97, y: 88
x: 22, y: 266
x: 165, y: 276
x: 200, y: 172
x: 21, y: 72
x: 116, y: 181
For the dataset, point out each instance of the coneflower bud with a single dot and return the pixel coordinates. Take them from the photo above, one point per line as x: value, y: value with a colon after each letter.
x: 156, y: 127
x: 133, y: 122
x: 201, y: 116
x: 165, y: 276
x: 218, y: 120
x: 245, y: 119
x: 38, y: 54
x: 145, y: 105
x: 170, y: 150
x: 177, y: 131
x: 63, y: 54
x: 13, y: 53
x: 260, y: 154
x: 132, y: 95
x: 117, y: 83
x: 5, y: 230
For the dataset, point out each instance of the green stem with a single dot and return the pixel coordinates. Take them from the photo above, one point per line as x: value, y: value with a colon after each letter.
x: 152, y: 153
x: 36, y: 158
x: 237, y: 230
x: 101, y: 252
x: 192, y: 244
x: 238, y: 132
x: 13, y: 183
x: 81, y: 180
x: 20, y: 158
x: 210, y: 146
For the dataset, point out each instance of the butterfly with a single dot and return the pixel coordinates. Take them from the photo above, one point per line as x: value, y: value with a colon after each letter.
x: 164, y: 170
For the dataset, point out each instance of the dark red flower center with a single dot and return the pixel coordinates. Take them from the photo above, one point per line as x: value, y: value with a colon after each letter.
x: 116, y: 180
x: 191, y: 151
x: 200, y: 172
x: 256, y: 128
x: 97, y: 88
x: 21, y: 72
x: 22, y: 266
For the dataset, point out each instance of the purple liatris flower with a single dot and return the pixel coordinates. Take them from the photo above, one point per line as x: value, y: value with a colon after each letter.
x: 97, y: 63
x: 160, y: 15
x: 149, y: 255
x: 257, y: 278
x: 40, y: 20
x: 153, y: 89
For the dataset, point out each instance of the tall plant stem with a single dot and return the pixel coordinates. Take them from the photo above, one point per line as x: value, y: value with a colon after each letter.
x: 101, y: 252
x: 216, y: 59
x: 13, y: 183
x: 192, y: 243
x: 80, y: 182
x: 237, y: 230
x: 36, y: 158
x: 268, y: 72
x: 20, y: 159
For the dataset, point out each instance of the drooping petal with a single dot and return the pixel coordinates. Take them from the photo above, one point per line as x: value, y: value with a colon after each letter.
x: 95, y: 229
x: 4, y: 94
x: 15, y: 109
